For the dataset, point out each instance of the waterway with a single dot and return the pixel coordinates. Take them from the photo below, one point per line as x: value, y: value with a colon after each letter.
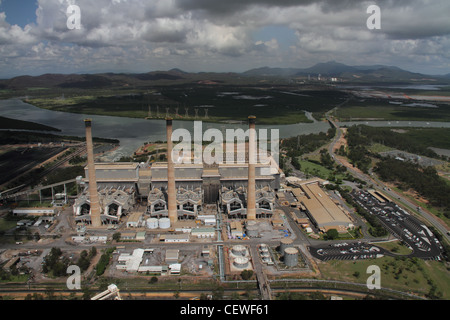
x: 133, y: 132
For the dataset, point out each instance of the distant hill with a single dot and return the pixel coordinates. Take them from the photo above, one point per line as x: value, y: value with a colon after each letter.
x: 340, y: 70
x: 87, y: 81
x: 370, y: 73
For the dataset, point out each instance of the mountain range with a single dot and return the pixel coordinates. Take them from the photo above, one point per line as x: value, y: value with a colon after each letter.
x: 345, y: 73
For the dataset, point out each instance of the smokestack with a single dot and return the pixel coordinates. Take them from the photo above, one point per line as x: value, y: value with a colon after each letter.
x: 251, y: 189
x: 171, y: 192
x: 93, y: 194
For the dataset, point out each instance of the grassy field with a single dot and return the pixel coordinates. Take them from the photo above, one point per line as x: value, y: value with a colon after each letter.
x: 395, y: 247
x: 407, y: 275
x: 374, y: 109
x: 318, y: 170
x: 6, y: 224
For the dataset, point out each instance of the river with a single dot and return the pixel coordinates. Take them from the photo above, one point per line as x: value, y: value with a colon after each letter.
x: 133, y: 132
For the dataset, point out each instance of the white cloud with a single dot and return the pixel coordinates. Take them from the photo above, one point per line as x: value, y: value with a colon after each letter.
x: 199, y: 33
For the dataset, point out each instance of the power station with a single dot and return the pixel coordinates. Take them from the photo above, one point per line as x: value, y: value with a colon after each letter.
x: 177, y: 191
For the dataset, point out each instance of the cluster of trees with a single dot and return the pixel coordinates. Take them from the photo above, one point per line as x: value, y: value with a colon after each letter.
x: 425, y: 181
x: 77, y: 160
x: 326, y: 160
x: 56, y: 263
x: 299, y: 145
x: 85, y: 258
x: 104, y: 261
x: 415, y: 141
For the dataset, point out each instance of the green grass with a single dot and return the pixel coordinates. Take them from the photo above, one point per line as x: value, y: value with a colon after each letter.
x: 378, y: 147
x: 408, y: 275
x: 6, y: 224
x: 17, y: 279
x: 395, y: 247
x: 318, y: 170
x: 382, y: 110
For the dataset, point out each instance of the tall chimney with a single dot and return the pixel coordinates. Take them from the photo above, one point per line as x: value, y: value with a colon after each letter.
x: 93, y: 194
x: 251, y: 189
x: 171, y: 191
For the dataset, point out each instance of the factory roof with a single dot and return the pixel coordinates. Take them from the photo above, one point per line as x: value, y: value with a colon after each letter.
x: 324, y: 211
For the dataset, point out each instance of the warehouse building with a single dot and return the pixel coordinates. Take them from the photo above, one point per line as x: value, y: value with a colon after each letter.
x: 321, y: 210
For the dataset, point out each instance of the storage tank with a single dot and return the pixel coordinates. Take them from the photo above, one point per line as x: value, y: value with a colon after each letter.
x: 152, y: 223
x: 164, y: 223
x: 285, y: 243
x: 290, y: 257
x: 238, y: 250
x: 241, y: 262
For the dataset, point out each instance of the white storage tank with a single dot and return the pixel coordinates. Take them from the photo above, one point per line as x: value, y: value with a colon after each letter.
x: 238, y: 250
x: 164, y: 223
x: 152, y: 223
x: 241, y: 262
x: 285, y: 243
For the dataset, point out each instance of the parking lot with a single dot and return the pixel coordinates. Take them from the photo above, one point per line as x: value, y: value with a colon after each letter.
x: 347, y: 251
x: 401, y: 224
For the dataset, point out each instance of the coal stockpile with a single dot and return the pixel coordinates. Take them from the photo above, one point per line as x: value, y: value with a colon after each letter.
x: 20, y: 160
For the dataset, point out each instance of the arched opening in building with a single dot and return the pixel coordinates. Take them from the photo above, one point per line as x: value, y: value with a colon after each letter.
x: 264, y: 204
x: 159, y: 207
x: 113, y: 209
x: 188, y: 207
x: 85, y: 208
x: 235, y: 205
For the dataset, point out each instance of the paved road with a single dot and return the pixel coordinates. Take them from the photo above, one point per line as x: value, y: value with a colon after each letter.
x: 378, y: 185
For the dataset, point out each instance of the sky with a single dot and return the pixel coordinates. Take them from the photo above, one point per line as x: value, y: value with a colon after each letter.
x: 220, y: 36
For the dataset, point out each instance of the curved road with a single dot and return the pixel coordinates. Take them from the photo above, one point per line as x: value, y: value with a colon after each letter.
x: 378, y: 185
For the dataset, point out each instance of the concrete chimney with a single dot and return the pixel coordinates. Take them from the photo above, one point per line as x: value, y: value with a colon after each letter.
x: 171, y: 191
x: 93, y: 194
x: 251, y: 189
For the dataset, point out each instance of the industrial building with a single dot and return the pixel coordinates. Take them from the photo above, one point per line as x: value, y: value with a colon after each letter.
x: 233, y: 202
x: 322, y: 211
x: 113, y: 201
x: 176, y: 191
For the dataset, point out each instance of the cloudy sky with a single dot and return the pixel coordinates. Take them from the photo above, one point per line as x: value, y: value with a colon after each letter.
x: 224, y: 35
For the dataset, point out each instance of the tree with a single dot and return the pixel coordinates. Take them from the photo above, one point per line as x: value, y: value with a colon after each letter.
x: 246, y: 274
x: 332, y: 234
x: 153, y: 280
x: 217, y: 293
x: 116, y: 236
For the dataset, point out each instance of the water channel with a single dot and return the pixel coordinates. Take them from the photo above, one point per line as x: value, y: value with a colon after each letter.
x: 133, y: 132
